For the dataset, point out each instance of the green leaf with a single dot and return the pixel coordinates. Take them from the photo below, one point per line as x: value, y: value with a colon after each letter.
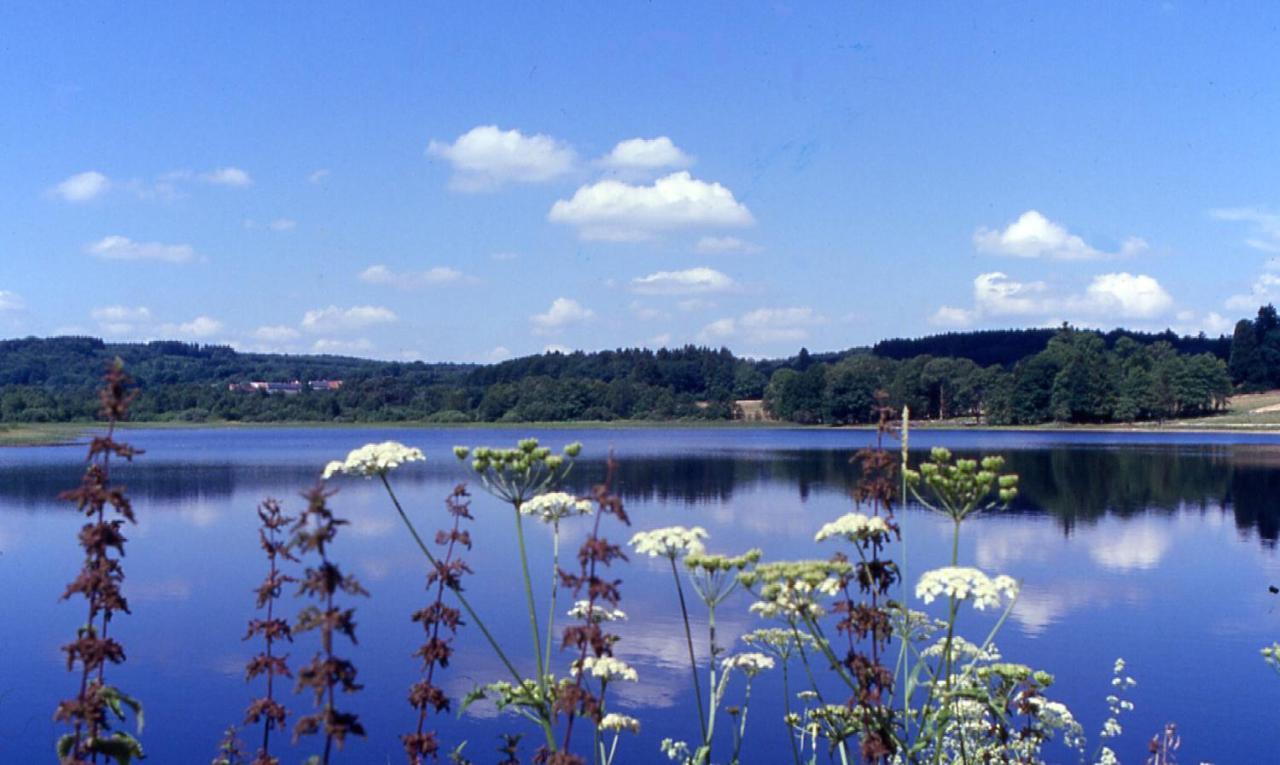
x: 65, y: 743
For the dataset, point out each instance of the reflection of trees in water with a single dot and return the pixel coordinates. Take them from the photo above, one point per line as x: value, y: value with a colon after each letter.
x: 1073, y: 484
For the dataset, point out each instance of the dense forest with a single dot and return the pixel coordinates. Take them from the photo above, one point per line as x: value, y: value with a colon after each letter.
x: 1014, y: 376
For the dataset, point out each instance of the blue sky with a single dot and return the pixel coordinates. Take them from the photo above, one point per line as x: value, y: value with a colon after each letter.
x: 454, y: 183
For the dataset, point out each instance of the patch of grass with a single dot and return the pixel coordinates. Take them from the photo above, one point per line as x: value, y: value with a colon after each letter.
x: 43, y: 434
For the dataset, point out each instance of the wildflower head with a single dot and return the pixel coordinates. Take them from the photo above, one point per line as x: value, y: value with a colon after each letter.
x: 963, y: 583
x: 618, y: 723
x: 962, y: 487
x: 669, y: 542
x: 855, y: 527
x: 779, y: 642
x: 583, y: 609
x: 373, y: 459
x: 517, y: 475
x: 555, y: 506
x: 792, y: 589
x: 750, y: 664
x: 606, y: 668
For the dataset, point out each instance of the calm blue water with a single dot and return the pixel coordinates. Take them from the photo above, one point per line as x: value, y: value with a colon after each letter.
x: 1155, y: 547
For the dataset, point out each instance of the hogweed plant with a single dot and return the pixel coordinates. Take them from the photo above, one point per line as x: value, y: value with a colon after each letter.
x: 273, y: 629
x: 327, y: 673
x: 425, y: 696
x: 91, y: 711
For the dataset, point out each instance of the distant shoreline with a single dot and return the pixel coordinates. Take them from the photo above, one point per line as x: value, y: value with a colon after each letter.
x: 64, y: 434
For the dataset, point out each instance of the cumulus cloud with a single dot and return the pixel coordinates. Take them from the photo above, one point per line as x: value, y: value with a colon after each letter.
x: 562, y: 313
x: 1264, y: 226
x: 123, y: 248
x: 718, y: 245
x: 82, y: 187
x: 691, y: 281
x: 487, y: 157
x: 1034, y: 236
x: 335, y: 319
x: 199, y: 327
x: 276, y: 333
x: 765, y: 326
x: 646, y: 154
x: 1265, y: 289
x: 330, y: 346
x: 233, y: 177
x: 381, y: 275
x: 498, y: 353
x: 11, y: 301
x: 1113, y: 295
x: 619, y: 211
x: 120, y: 319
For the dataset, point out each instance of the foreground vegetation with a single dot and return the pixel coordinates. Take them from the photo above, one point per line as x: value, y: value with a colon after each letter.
x: 865, y: 677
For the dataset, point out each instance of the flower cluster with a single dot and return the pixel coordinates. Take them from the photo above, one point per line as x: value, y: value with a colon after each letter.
x: 555, y: 506
x: 518, y: 475
x: 617, y: 723
x: 584, y: 610
x: 962, y: 486
x: 750, y: 664
x: 605, y: 668
x: 1271, y: 655
x: 855, y: 527
x: 669, y: 542
x: 373, y: 459
x: 965, y: 583
x: 790, y: 589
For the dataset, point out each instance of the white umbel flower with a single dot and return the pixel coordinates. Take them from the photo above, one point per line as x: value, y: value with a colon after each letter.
x: 855, y: 527
x: 598, y: 613
x: 669, y: 542
x: 750, y: 664
x: 965, y: 583
x: 555, y: 506
x: 606, y: 668
x: 617, y: 723
x: 374, y: 459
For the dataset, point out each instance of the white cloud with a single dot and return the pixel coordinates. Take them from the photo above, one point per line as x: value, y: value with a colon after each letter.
x: 647, y: 313
x: 996, y: 294
x: 948, y: 316
x: 275, y: 333
x: 331, y: 346
x: 717, y: 245
x: 11, y: 301
x: 199, y: 327
x: 765, y: 326
x: 318, y: 175
x: 504, y: 256
x: 1135, y: 545
x: 1265, y: 289
x: 646, y: 154
x: 691, y: 281
x: 82, y: 187
x: 486, y: 157
x: 123, y: 248
x: 120, y: 319
x: 498, y: 353
x: 1130, y: 296
x: 381, y: 275
x: 660, y: 341
x: 563, y: 312
x: 227, y: 176
x: 618, y: 211
x: 1107, y: 296
x: 335, y: 319
x: 282, y: 224
x: 1034, y: 236
x: 1265, y: 226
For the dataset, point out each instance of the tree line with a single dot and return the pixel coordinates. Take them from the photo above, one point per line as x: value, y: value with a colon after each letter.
x: 999, y: 377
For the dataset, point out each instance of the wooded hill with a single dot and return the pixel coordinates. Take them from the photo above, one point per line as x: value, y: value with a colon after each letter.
x: 1001, y: 376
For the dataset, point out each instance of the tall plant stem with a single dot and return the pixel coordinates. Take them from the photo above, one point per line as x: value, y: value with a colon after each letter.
x: 688, y: 637
x: 497, y: 649
x: 555, y: 573
x: 528, y: 596
x: 713, y: 700
x: 786, y: 706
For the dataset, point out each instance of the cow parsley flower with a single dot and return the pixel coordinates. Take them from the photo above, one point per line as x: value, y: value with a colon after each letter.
x: 855, y: 527
x: 963, y: 583
x: 555, y: 506
x: 669, y: 542
x: 750, y: 664
x: 374, y: 459
x: 598, y: 613
x: 606, y: 668
x: 617, y: 723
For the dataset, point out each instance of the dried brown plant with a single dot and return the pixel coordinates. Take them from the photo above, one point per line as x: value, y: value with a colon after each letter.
x: 108, y: 509
x: 272, y: 628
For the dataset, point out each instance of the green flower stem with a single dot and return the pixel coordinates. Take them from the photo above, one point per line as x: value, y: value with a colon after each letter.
x: 688, y: 637
x: 786, y: 706
x: 742, y: 726
x: 555, y: 574
x: 475, y: 618
x: 715, y: 696
x: 528, y: 595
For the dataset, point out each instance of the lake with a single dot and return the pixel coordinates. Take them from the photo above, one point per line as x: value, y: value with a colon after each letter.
x: 1158, y: 548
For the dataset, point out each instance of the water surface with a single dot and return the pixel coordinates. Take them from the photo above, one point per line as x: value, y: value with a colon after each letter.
x: 1158, y: 548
